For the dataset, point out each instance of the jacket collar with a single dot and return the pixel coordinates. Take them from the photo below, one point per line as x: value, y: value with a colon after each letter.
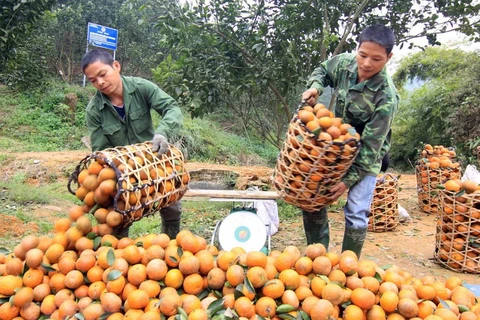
x: 128, y: 87
x: 374, y: 83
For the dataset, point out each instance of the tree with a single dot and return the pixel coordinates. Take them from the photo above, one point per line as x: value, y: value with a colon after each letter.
x: 253, y: 58
x: 444, y: 109
x: 16, y: 18
x: 58, y: 43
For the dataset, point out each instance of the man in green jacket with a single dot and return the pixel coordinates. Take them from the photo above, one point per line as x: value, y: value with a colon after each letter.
x: 366, y: 98
x: 119, y: 115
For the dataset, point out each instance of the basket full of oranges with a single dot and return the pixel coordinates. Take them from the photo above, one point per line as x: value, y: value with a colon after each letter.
x: 317, y: 152
x: 436, y: 165
x: 384, y: 207
x: 131, y: 180
x: 457, y: 238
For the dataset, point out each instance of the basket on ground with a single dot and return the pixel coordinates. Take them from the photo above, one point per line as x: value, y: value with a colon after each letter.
x: 131, y: 180
x: 436, y: 165
x: 457, y: 240
x: 384, y: 208
x: 312, y: 161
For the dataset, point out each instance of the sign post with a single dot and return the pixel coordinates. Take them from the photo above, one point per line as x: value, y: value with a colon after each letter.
x: 103, y: 37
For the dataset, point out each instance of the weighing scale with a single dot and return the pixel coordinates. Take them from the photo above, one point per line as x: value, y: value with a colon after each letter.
x: 242, y: 228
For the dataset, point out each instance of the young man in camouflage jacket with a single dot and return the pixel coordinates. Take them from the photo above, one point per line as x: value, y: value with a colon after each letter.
x: 366, y: 98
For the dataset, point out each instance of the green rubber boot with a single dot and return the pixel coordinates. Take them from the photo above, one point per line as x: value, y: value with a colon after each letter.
x: 316, y: 227
x: 171, y: 228
x: 353, y: 240
x: 122, y: 232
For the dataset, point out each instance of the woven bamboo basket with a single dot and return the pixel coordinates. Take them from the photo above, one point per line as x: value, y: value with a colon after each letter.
x: 384, y: 208
x: 144, y: 182
x: 429, y: 176
x: 307, y: 167
x: 457, y: 240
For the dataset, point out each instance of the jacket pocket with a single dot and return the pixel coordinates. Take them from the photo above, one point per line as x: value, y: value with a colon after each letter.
x: 114, y: 134
x: 140, y: 121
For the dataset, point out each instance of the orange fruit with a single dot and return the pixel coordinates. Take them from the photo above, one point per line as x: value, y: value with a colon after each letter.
x: 138, y: 299
x: 290, y: 278
x: 132, y: 254
x: 348, y: 262
x: 322, y: 309
x: 193, y: 284
x: 207, y: 261
x: 304, y: 265
x: 235, y: 275
x: 273, y: 288
x: 137, y: 274
x: 290, y: 297
x: 352, y: 312
x: 41, y: 291
x: 389, y: 301
x: 13, y: 266
x: 316, y: 285
x: 189, y: 265
x: 93, y: 311
x: 23, y: 296
x: 408, y: 307
x: 363, y: 298
x: 257, y: 276
x: 156, y: 269
x: 117, y: 285
x: 256, y: 258
x: 376, y: 312
x: 67, y: 309
x: 190, y: 303
x: 333, y: 293
x: 244, y: 307
x: 305, y: 115
x: 216, y: 278
x: 198, y: 314
x: 322, y: 265
x: 73, y: 279
x: 173, y: 278
x: 366, y: 268
x: 32, y: 278
x: 169, y: 304
x: 284, y: 261
x: 265, y: 307
x: 452, y: 186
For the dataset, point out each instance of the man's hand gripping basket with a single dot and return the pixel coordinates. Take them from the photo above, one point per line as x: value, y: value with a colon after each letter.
x: 317, y: 153
x: 130, y: 180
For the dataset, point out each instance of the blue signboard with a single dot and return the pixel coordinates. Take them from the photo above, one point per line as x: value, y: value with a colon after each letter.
x: 103, y: 37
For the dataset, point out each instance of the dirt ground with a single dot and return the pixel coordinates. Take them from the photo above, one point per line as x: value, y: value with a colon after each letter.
x: 409, y: 246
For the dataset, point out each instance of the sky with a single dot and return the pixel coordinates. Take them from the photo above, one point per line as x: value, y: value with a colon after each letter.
x: 452, y: 39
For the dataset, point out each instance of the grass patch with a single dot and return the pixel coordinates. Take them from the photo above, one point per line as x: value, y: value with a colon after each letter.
x: 18, y: 192
x: 21, y: 201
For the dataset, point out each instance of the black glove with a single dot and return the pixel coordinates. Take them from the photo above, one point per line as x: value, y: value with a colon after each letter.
x: 160, y: 144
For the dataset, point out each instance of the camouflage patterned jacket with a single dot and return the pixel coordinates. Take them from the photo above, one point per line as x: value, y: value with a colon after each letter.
x: 369, y: 106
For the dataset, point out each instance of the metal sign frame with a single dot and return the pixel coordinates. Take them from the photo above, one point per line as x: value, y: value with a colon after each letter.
x: 101, y: 36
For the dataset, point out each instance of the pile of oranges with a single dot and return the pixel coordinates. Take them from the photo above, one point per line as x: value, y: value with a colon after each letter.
x: 323, y: 124
x: 77, y: 274
x: 458, y: 226
x: 436, y: 165
x: 121, y: 185
x: 317, y: 152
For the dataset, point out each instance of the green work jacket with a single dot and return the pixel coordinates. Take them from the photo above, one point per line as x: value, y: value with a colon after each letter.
x: 369, y: 106
x: 108, y: 130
